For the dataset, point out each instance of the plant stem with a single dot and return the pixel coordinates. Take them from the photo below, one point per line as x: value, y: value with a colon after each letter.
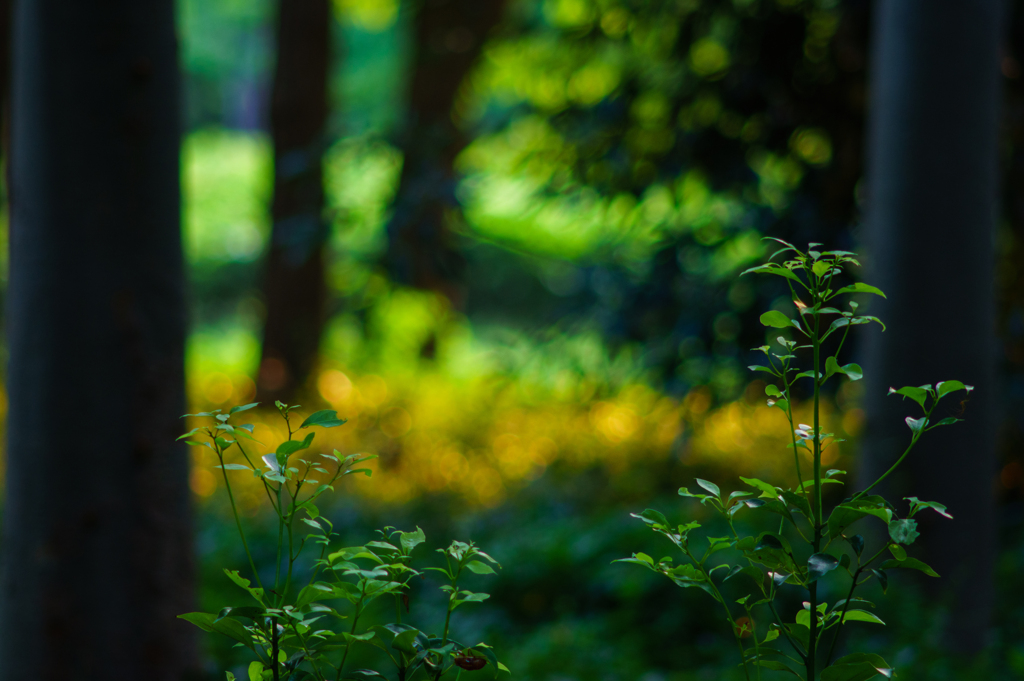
x: 782, y: 628
x: 757, y: 647
x: 728, y: 614
x: 273, y: 638
x: 846, y: 606
x: 792, y: 434
x: 870, y: 487
x: 238, y: 520
x: 817, y: 511
x: 352, y: 631
x: 280, y: 546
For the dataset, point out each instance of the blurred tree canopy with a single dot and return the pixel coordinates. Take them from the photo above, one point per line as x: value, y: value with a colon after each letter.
x: 623, y: 160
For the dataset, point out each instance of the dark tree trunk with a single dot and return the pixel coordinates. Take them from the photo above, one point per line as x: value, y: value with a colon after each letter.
x: 6, y: 15
x: 294, y: 284
x: 97, y: 551
x: 931, y: 220
x: 449, y: 37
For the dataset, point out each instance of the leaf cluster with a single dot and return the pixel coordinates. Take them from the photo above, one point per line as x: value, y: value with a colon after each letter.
x: 306, y: 631
x: 813, y: 543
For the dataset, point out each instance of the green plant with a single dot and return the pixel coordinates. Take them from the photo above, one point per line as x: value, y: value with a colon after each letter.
x: 811, y: 544
x: 290, y: 627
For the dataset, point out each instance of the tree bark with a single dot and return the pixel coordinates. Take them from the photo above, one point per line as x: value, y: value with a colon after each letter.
x: 449, y: 36
x: 930, y: 229
x: 294, y: 285
x: 97, y: 546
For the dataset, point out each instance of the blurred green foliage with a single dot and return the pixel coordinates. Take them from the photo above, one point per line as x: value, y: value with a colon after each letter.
x: 626, y: 156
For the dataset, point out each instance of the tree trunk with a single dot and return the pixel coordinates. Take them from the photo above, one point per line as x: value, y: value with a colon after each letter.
x: 6, y: 7
x: 931, y: 220
x: 97, y: 550
x: 294, y: 284
x: 448, y: 40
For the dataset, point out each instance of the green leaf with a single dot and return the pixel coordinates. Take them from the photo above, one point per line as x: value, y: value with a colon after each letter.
x: 910, y: 563
x: 777, y: 270
x: 861, y: 287
x: 819, y: 565
x: 853, y: 371
x: 917, y: 394
x: 255, y: 671
x: 234, y: 467
x: 289, y: 447
x: 325, y: 418
x: 948, y: 421
x: 315, y: 592
x: 244, y: 407
x: 248, y: 611
x: 652, y: 517
x: 917, y: 425
x: 776, y: 666
x: 776, y: 320
x: 856, y: 543
x: 188, y: 434
x: 768, y: 490
x: 846, y: 514
x: 228, y: 627
x: 904, y: 531
x: 480, y: 568
x: 857, y: 667
x: 244, y: 583
x: 365, y: 674
x: 636, y: 559
x: 411, y: 540
x: 945, y: 387
x: 404, y: 641
x: 711, y: 487
x: 799, y: 501
x: 864, y: 319
x: 772, y: 391
x: 916, y: 505
x: 883, y: 579
x: 768, y: 541
x: 862, y: 616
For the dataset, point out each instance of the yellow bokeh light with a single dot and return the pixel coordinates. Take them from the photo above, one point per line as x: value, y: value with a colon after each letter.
x: 709, y: 58
x: 812, y: 145
x: 203, y: 482
x: 334, y: 386
x: 374, y: 389
x: 218, y: 388
x: 479, y: 439
x: 395, y: 422
x: 369, y: 15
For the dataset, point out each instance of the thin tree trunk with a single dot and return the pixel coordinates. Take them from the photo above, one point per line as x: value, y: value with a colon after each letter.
x: 931, y: 220
x: 294, y: 284
x: 448, y: 40
x: 97, y: 550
